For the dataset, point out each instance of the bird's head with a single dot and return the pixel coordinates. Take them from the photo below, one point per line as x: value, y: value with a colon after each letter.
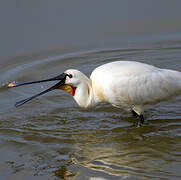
x: 68, y: 81
x: 73, y: 79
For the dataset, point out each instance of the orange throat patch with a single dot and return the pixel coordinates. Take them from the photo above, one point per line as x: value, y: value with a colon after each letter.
x: 68, y: 88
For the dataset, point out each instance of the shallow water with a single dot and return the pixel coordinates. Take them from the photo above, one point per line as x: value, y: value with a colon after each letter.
x: 52, y: 138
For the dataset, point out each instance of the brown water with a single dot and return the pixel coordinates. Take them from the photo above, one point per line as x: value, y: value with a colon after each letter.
x: 52, y: 138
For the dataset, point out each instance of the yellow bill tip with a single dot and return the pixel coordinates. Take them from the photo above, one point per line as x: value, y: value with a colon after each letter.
x: 11, y: 84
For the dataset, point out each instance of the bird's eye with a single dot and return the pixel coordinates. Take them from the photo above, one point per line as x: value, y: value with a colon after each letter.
x: 70, y: 75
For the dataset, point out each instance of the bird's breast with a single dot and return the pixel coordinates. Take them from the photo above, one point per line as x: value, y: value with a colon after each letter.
x: 101, y: 95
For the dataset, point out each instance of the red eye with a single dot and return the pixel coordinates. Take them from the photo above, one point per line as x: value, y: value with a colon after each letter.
x: 70, y: 75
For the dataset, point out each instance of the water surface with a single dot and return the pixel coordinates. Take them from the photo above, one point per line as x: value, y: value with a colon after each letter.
x: 51, y: 137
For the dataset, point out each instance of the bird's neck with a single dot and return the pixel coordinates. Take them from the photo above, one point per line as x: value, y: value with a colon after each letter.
x: 84, y: 95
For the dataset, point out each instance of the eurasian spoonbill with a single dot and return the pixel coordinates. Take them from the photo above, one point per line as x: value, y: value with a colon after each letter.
x: 127, y: 84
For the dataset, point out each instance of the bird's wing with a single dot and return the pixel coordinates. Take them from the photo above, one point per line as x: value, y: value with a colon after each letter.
x: 152, y: 87
x: 128, y: 83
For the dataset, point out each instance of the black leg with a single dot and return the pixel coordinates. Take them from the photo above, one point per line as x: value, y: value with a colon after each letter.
x: 134, y: 113
x: 141, y: 117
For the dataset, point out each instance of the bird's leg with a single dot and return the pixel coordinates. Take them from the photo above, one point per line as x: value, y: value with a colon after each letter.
x: 141, y: 117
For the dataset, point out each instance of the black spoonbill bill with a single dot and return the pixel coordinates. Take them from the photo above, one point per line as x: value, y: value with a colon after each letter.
x: 127, y: 84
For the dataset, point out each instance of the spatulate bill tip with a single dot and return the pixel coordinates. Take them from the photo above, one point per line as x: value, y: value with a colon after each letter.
x: 17, y: 104
x: 12, y: 84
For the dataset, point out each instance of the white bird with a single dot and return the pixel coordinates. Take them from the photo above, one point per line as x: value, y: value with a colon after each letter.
x: 126, y: 84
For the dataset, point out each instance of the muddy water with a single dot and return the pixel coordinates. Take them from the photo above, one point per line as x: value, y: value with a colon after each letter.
x: 52, y: 138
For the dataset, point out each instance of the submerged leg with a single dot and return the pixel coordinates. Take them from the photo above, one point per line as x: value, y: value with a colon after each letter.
x: 140, y: 116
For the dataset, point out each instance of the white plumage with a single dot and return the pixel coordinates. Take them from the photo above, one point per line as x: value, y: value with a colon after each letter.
x: 127, y: 84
